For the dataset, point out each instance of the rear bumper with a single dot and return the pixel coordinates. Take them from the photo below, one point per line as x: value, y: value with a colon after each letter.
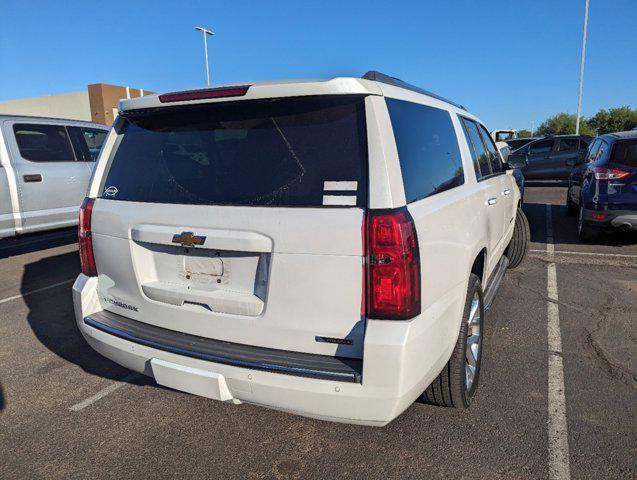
x: 401, y: 359
x: 624, y: 219
x: 216, y: 351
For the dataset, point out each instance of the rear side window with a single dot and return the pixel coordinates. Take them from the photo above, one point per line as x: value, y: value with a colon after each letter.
x: 478, y: 151
x: 303, y: 151
x: 625, y: 153
x: 592, y: 149
x: 600, y: 152
x: 94, y: 139
x: 428, y: 149
x: 87, y: 142
x: 494, y: 157
x: 43, y: 143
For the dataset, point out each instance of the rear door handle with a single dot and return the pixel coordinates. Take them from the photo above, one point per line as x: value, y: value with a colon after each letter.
x: 492, y: 201
x: 36, y: 177
x: 507, y: 192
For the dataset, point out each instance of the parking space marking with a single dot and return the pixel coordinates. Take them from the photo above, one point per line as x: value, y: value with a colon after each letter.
x: 37, y: 290
x: 563, y: 252
x: 559, y: 467
x: 103, y: 392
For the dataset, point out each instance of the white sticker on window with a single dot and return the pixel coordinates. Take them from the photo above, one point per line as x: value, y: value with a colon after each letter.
x: 340, y: 186
x: 339, y: 200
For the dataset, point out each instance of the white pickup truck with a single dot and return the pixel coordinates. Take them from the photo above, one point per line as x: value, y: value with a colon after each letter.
x: 45, y: 168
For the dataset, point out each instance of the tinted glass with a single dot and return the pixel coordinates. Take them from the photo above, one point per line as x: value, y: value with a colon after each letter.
x: 541, y: 146
x: 599, y: 153
x: 478, y: 151
x: 625, y: 153
x: 494, y: 157
x: 94, y: 139
x: 427, y: 148
x: 43, y: 143
x: 592, y: 149
x: 569, y: 144
x: 276, y: 152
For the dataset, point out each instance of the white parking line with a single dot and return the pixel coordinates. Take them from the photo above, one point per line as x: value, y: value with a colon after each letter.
x: 48, y: 287
x: 595, y: 254
x: 559, y: 467
x: 103, y: 392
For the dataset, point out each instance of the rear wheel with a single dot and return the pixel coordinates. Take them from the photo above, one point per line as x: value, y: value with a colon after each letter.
x: 519, y: 244
x: 456, y: 385
x: 585, y: 231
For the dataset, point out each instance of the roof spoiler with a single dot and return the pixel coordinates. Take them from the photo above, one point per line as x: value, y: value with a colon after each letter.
x: 397, y: 82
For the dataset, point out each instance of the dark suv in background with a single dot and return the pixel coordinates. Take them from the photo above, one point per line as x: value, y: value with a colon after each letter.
x: 547, y: 158
x: 603, y: 188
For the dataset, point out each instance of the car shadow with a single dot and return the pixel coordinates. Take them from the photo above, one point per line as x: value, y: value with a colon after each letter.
x: 52, y: 319
x: 565, y: 228
x: 32, y: 242
x: 546, y: 183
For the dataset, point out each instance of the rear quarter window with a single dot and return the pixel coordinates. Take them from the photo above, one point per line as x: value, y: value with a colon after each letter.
x: 303, y: 151
x: 428, y: 149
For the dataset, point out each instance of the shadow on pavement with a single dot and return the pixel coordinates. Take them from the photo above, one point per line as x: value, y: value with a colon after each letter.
x: 2, y: 402
x: 52, y: 319
x: 546, y: 183
x: 32, y: 242
x: 565, y: 228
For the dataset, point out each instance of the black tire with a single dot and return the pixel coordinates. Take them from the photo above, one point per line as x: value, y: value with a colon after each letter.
x: 519, y: 244
x: 570, y: 208
x: 585, y: 231
x: 450, y: 389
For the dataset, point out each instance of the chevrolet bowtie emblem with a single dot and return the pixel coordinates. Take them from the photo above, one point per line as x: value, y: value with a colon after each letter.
x: 188, y: 239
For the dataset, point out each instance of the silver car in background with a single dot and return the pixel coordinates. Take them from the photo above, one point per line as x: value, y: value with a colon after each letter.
x: 45, y: 168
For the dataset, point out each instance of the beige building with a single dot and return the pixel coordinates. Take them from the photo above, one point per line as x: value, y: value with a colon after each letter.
x: 98, y: 103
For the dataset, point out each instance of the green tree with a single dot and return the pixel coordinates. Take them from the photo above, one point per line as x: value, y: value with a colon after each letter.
x: 614, y: 120
x: 564, y: 124
x: 524, y: 133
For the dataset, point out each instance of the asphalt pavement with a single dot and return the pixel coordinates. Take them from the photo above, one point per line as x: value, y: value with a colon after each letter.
x: 67, y: 412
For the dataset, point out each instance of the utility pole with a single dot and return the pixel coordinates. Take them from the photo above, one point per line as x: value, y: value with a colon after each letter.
x: 581, y: 70
x: 207, y: 32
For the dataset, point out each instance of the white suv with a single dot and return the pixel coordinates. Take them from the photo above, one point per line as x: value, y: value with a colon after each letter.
x: 324, y: 247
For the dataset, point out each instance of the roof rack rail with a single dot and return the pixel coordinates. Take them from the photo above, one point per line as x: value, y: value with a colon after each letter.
x: 397, y: 82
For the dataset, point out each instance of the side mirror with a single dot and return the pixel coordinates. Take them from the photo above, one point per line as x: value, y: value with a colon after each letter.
x: 517, y: 160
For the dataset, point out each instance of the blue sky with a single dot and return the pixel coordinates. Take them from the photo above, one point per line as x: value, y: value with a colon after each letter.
x: 510, y: 62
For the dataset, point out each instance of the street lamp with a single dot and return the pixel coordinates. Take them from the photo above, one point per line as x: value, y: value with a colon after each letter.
x: 206, y: 32
x: 581, y: 70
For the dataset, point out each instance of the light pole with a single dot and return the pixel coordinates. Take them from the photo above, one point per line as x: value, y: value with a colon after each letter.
x: 207, y: 32
x: 581, y: 70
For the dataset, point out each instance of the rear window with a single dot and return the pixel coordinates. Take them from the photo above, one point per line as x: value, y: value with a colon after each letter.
x: 428, y: 149
x: 625, y: 153
x: 303, y: 151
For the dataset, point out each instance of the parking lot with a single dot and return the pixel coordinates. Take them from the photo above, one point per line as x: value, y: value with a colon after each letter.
x: 67, y: 412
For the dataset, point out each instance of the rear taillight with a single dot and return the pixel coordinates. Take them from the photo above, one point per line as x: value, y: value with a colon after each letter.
x: 392, y: 283
x: 221, y: 92
x: 603, y: 173
x: 87, y: 260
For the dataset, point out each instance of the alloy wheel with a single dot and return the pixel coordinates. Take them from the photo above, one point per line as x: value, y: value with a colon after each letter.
x: 472, y: 349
